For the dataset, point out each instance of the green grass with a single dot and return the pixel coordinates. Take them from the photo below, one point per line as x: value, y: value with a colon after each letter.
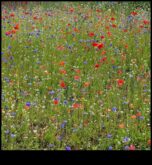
x: 35, y: 68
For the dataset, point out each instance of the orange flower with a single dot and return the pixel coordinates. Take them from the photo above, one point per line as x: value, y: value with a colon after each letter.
x: 27, y: 107
x: 13, y: 31
x: 86, y: 84
x: 121, y: 125
x: 76, y: 105
x: 62, y: 63
x: 133, y: 117
x: 16, y: 26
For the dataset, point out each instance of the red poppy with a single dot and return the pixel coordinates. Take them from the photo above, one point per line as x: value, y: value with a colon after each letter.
x: 91, y: 34
x: 77, y: 70
x: 109, y: 34
x: 119, y: 72
x: 103, y: 52
x: 13, y: 31
x: 12, y: 15
x: 97, y: 65
x: 107, y: 27
x: 149, y: 142
x: 62, y: 84
x: 71, y: 9
x: 103, y: 59
x: 95, y: 44
x: 76, y: 30
x: 35, y: 17
x: 114, y: 26
x: 120, y: 82
x: 16, y: 26
x: 112, y: 19
x: 134, y: 13
x: 62, y: 63
x: 76, y: 105
x: 146, y: 22
x: 102, y: 37
x: 63, y: 71
x: 76, y: 77
x: 101, y: 45
x: 125, y: 30
x: 141, y: 26
x: 56, y: 102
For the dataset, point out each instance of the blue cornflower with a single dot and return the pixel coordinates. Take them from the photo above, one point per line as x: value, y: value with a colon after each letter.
x: 9, y: 47
x: 110, y: 148
x: 68, y: 148
x: 109, y: 136
x: 13, y: 135
x: 51, y: 92
x: 126, y: 139
x: 7, y: 131
x: 126, y: 148
x: 85, y: 62
x: 65, y: 102
x: 114, y: 109
x: 28, y: 104
x: 13, y: 114
x: 51, y: 145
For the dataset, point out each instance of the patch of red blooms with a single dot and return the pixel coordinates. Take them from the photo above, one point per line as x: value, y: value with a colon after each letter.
x: 91, y: 34
x: 62, y: 84
x: 120, y: 82
x: 134, y: 13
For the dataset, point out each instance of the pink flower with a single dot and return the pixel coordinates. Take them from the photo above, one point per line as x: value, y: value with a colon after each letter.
x: 132, y: 147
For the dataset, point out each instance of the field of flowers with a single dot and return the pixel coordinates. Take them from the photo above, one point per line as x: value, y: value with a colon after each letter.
x: 75, y: 76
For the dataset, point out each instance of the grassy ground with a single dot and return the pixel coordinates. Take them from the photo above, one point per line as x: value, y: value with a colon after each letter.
x: 76, y: 76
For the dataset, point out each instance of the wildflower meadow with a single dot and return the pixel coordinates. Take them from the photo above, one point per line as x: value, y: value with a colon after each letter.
x: 75, y: 75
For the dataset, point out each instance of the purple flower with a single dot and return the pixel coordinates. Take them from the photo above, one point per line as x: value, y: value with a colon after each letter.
x: 126, y: 148
x: 28, y: 104
x: 109, y: 136
x: 13, y: 135
x: 126, y: 139
x: 65, y: 102
x: 51, y: 92
x: 110, y: 148
x: 68, y: 148
x: 7, y: 131
x: 114, y: 109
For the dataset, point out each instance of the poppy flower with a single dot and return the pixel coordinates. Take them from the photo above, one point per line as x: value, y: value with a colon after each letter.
x: 109, y: 34
x: 97, y: 65
x: 120, y: 82
x: 86, y: 84
x: 62, y: 63
x: 62, y: 84
x: 94, y: 44
x: 125, y: 30
x: 114, y: 26
x: 75, y: 29
x: 119, y: 71
x: 102, y: 37
x: 77, y: 70
x: 16, y: 26
x: 76, y: 77
x: 131, y: 147
x: 63, y: 71
x: 56, y: 102
x: 76, y: 105
x: 112, y: 19
x: 134, y: 13
x: 146, y: 22
x: 71, y: 9
x: 35, y: 17
x: 101, y: 45
x: 103, y: 52
x: 91, y: 34
x: 12, y: 15
x: 13, y: 31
